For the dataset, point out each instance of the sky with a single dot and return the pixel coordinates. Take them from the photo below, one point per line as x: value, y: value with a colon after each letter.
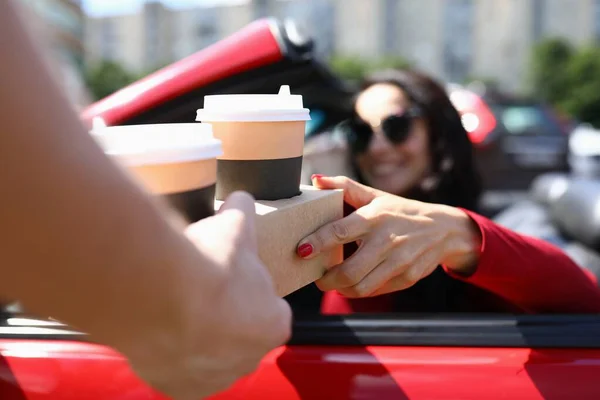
x: 113, y: 7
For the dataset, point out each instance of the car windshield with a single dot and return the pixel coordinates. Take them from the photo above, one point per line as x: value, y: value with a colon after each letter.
x: 526, y: 119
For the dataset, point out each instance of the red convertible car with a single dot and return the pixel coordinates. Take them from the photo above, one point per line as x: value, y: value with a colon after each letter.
x: 390, y: 356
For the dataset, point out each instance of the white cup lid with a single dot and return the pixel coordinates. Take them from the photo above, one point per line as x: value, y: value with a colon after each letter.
x: 254, y: 107
x: 136, y: 145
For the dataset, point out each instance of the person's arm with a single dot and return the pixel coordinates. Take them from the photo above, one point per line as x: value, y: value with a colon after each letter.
x: 528, y: 272
x: 532, y: 274
x: 73, y: 226
x: 403, y: 241
x: 83, y: 244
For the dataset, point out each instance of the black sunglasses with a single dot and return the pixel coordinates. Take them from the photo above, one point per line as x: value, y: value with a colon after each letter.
x: 396, y: 129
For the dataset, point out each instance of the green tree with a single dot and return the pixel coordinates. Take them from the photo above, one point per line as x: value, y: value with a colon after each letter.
x: 349, y: 67
x: 568, y: 78
x: 549, y: 64
x: 391, y: 62
x: 153, y: 69
x: 355, y: 67
x: 107, y: 77
x: 583, y: 98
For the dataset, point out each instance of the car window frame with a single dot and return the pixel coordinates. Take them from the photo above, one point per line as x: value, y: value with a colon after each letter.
x: 392, y: 329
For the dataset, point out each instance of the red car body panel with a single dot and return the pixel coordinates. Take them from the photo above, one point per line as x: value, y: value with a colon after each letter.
x: 41, y: 370
x: 250, y: 48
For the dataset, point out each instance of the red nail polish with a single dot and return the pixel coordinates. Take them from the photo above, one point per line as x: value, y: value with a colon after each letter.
x: 316, y: 176
x: 305, y: 250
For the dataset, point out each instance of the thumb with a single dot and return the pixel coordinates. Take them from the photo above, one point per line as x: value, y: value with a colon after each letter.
x: 243, y: 203
x: 355, y: 194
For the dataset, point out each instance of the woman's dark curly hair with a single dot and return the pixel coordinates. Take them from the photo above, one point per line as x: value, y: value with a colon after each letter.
x: 456, y: 180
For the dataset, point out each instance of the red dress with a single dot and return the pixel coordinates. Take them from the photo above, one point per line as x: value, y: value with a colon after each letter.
x: 527, y: 273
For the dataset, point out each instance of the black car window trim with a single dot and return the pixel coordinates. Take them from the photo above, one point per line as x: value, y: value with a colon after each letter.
x: 439, y: 330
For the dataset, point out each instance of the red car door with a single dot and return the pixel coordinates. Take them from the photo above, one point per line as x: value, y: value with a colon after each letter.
x: 422, y: 373
x: 432, y: 357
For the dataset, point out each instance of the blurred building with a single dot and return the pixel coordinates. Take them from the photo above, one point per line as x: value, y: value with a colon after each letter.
x: 506, y: 31
x: 139, y: 41
x: 262, y: 8
x: 59, y: 25
x: 157, y: 35
x: 349, y: 27
x: 597, y: 19
x: 317, y: 17
x: 452, y: 40
x: 457, y: 39
x: 488, y: 39
x: 420, y: 33
x: 195, y: 29
x: 199, y: 27
x: 369, y: 29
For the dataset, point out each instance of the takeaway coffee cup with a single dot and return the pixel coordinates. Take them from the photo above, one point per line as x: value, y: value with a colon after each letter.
x: 175, y: 161
x: 263, y: 142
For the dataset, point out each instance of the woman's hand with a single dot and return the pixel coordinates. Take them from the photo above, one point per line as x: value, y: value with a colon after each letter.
x: 400, y: 241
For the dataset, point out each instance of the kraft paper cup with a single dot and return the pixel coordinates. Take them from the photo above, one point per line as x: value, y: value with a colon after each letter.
x: 175, y: 161
x: 263, y: 143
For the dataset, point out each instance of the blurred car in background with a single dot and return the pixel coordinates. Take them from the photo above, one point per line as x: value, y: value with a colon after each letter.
x: 584, y: 151
x: 515, y: 139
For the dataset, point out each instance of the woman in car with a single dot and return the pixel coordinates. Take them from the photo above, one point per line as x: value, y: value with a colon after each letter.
x: 429, y: 250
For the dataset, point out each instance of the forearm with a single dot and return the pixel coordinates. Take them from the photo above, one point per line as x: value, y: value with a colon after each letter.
x: 80, y: 242
x: 530, y: 273
x: 462, y: 241
x: 126, y: 274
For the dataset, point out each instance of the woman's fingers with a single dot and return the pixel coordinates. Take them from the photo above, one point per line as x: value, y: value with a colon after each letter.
x: 420, y: 268
x: 355, y: 194
x: 394, y: 285
x: 353, y: 270
x: 392, y: 275
x: 375, y: 280
x: 328, y: 237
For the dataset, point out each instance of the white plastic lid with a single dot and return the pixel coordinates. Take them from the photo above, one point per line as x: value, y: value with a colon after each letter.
x: 136, y: 145
x: 254, y: 107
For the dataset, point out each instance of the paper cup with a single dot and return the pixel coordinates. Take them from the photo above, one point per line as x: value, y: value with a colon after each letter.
x: 175, y: 161
x: 263, y: 143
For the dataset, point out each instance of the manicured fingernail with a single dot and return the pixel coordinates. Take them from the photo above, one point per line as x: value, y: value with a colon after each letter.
x: 305, y: 250
x: 316, y: 176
